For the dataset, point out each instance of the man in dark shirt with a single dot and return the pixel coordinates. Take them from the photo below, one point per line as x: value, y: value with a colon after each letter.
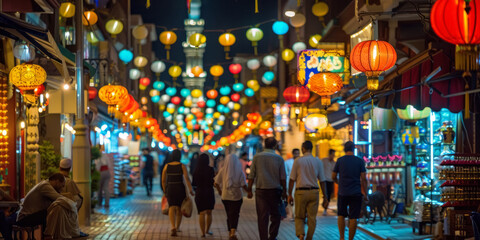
x: 147, y: 170
x: 352, y: 184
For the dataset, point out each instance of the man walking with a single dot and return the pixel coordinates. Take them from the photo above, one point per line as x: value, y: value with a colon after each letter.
x: 328, y: 165
x: 305, y: 173
x: 268, y: 172
x: 147, y: 170
x: 352, y: 184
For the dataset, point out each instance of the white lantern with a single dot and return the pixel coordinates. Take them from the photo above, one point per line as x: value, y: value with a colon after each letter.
x: 221, y: 118
x: 298, y: 20
x: 169, y: 118
x: 299, y: 46
x: 180, y: 117
x: 170, y: 105
x: 186, y: 111
x: 140, y: 32
x: 253, y: 64
x: 158, y: 66
x: 24, y: 52
x: 172, y: 127
x: 165, y: 98
x: 209, y: 111
x: 266, y: 81
x: 134, y: 74
x: 140, y: 61
x: 270, y: 61
x: 315, y: 122
x: 231, y: 105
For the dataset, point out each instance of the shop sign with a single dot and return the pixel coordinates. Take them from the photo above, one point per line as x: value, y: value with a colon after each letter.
x: 311, y: 62
x: 281, y: 113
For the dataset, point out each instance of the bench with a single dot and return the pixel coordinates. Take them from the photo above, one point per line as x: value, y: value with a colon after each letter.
x: 19, y: 230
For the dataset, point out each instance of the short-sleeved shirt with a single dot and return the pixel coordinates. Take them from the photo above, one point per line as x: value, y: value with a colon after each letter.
x: 349, y: 168
x: 306, y: 171
x: 267, y: 169
x: 38, y: 198
x: 328, y: 167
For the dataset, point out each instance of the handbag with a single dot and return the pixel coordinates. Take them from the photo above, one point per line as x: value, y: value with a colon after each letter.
x: 187, y: 207
x: 164, y: 205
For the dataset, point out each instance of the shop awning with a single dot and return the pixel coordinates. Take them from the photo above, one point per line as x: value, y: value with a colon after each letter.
x: 339, y: 119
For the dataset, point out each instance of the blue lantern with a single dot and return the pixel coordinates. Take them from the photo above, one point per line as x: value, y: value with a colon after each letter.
x: 280, y: 27
x: 171, y: 91
x: 220, y: 108
x: 207, y: 116
x: 166, y: 114
x: 225, y: 90
x: 158, y: 85
x: 269, y: 76
x: 181, y: 109
x: 125, y: 55
x: 155, y: 99
x: 238, y: 87
x: 226, y: 109
x: 185, y: 92
x: 249, y: 92
x: 211, y: 103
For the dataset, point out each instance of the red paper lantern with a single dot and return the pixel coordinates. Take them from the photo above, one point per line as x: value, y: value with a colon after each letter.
x: 373, y: 57
x: 176, y: 100
x: 235, y: 68
x: 235, y: 97
x: 144, y: 81
x: 127, y: 103
x: 92, y: 93
x: 458, y: 22
x: 201, y: 104
x: 296, y: 94
x: 325, y: 85
x: 39, y: 90
x: 212, y: 94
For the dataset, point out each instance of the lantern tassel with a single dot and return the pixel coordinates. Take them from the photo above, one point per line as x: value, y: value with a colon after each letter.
x: 298, y: 3
x: 280, y: 38
x: 466, y: 58
x: 256, y: 6
x: 147, y: 5
x: 168, y: 55
x: 467, y: 103
x: 255, y: 50
x: 216, y: 84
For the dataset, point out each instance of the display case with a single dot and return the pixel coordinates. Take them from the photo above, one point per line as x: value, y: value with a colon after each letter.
x: 121, y: 170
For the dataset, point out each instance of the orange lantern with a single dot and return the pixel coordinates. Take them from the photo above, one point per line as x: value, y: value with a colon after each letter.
x: 168, y: 38
x: 89, y: 18
x: 373, y: 57
x: 226, y: 40
x: 212, y: 94
x: 266, y: 125
x: 112, y: 95
x: 196, y: 71
x: 325, y: 85
x: 216, y: 71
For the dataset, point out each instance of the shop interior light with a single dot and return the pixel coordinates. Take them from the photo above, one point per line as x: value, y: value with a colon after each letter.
x: 66, y: 86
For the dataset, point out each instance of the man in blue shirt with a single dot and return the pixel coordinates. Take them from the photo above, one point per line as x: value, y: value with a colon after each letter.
x: 352, y: 184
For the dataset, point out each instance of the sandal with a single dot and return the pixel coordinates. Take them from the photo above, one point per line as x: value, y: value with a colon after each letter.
x: 174, y: 233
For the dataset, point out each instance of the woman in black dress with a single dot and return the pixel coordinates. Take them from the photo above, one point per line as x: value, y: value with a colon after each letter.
x: 204, y: 197
x: 173, y: 177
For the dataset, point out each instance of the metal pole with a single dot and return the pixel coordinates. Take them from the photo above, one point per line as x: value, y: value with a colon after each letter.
x: 81, y: 147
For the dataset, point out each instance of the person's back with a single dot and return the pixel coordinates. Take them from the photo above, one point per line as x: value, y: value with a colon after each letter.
x: 308, y: 170
x: 37, y: 199
x: 349, y: 168
x: 268, y: 165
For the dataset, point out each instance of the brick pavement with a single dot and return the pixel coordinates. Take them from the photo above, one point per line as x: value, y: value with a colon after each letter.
x: 139, y: 217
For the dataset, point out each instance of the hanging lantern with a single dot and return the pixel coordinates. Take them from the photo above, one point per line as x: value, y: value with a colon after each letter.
x: 270, y: 61
x: 253, y: 64
x: 314, y: 40
x: 27, y: 76
x: 196, y: 93
x: 299, y: 46
x: 140, y: 61
x: 235, y: 97
x: 144, y: 100
x: 158, y: 67
x: 280, y: 28
x: 224, y: 100
x: 126, y: 56
x: 197, y: 71
x: 114, y: 27
x: 154, y: 92
x: 176, y: 100
x: 92, y: 93
x: 254, y: 35
x: 24, y: 52
x: 253, y: 84
x: 112, y: 95
x: 249, y: 92
x: 325, y: 85
x: 320, y: 9
x: 238, y: 87
x: 288, y: 55
x: 268, y: 77
x: 185, y: 92
x: 134, y: 74
x: 457, y: 23
x: 373, y: 57
x: 235, y: 69
x: 168, y: 38
x: 158, y: 85
x: 175, y: 71
x: 89, y: 18
x: 140, y: 32
x: 296, y: 94
x: 92, y: 38
x: 67, y: 10
x: 212, y: 94
x: 225, y: 90
x: 197, y: 39
x: 216, y: 71
x: 144, y: 81
x: 171, y: 91
x: 226, y: 40
x: 315, y: 122
x: 298, y: 20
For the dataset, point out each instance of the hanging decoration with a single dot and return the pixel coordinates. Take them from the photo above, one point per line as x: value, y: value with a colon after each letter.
x: 325, y: 85
x: 254, y: 35
x: 212, y: 94
x: 288, y: 55
x: 140, y: 62
x: 296, y: 94
x: 112, y: 95
x: 268, y: 77
x: 270, y: 61
x: 238, y: 87
x: 168, y: 38
x: 24, y: 52
x: 89, y: 18
x: 280, y: 28
x: 126, y: 56
x: 144, y: 82
x: 158, y: 67
x: 140, y: 32
x: 114, y: 27
x: 235, y: 69
x: 175, y: 71
x: 314, y: 40
x: 298, y: 47
x: 216, y: 71
x: 67, y: 9
x: 315, y: 122
x: 92, y: 93
x: 253, y: 65
x: 197, y: 71
x: 410, y: 113
x: 197, y: 39
x: 373, y: 57
x: 281, y: 117
x: 253, y: 84
x: 27, y: 77
x: 320, y: 9
x: 226, y: 40
x: 158, y: 85
x: 134, y: 74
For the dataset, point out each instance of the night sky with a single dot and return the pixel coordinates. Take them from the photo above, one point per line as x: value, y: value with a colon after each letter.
x: 218, y: 15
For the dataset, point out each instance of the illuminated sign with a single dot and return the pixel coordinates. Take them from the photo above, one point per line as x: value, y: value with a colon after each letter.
x: 315, y: 61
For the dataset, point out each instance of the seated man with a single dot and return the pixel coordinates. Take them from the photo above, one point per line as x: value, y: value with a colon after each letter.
x: 71, y: 189
x: 7, y: 217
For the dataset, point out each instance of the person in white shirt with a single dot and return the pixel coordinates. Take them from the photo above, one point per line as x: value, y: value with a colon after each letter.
x: 229, y: 182
x: 328, y: 165
x: 104, y: 165
x: 288, y: 170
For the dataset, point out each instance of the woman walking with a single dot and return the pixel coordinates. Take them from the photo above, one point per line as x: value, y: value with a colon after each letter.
x: 229, y: 182
x: 204, y: 195
x: 173, y: 177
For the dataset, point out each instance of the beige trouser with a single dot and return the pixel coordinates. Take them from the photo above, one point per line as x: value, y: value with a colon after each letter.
x: 306, y: 206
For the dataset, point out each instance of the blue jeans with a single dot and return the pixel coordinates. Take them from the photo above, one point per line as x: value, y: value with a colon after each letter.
x: 6, y: 224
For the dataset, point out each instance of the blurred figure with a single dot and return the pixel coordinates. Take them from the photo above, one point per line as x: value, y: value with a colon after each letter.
x: 71, y: 189
x: 193, y: 163
x: 328, y: 165
x: 204, y: 194
x: 173, y: 177
x: 147, y: 170
x: 229, y: 182
x: 219, y: 162
x: 288, y: 169
x: 104, y: 165
x: 244, y: 161
x: 8, y: 217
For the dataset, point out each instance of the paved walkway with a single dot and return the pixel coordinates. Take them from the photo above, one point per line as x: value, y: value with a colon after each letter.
x: 139, y: 217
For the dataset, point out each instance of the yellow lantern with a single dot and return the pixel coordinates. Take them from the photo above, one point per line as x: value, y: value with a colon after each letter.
x: 243, y: 101
x: 140, y: 32
x: 161, y: 107
x: 251, y: 83
x: 91, y: 38
x: 237, y: 106
x: 216, y: 114
x: 226, y: 40
x: 144, y: 100
x: 314, y: 40
x: 154, y: 92
x: 67, y: 10
x: 168, y: 38
x: 315, y: 122
x: 175, y: 71
x: 254, y: 35
x: 220, y: 122
x: 196, y: 71
x: 114, y: 27
x: 320, y: 9
x: 89, y: 18
x: 140, y: 61
x: 171, y: 110
x: 196, y: 93
x: 112, y: 95
x: 288, y: 55
x: 187, y: 103
x: 224, y: 100
x: 197, y: 39
x: 27, y: 77
x: 266, y: 125
x: 216, y: 71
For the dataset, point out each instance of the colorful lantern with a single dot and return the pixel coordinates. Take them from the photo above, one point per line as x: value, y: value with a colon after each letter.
x: 27, y: 76
x: 216, y: 71
x: 270, y: 61
x: 89, y: 18
x: 280, y: 28
x: 158, y: 85
x: 288, y: 55
x: 158, y: 67
x: 196, y: 93
x: 253, y: 84
x: 456, y: 22
x: 112, y: 95
x: 140, y: 32
x: 315, y: 122
x: 196, y: 71
x: 134, y: 74
x: 126, y: 56
x: 314, y: 40
x: 185, y: 92
x: 114, y: 27
x: 296, y: 94
x: 171, y: 91
x: 226, y: 40
x: 224, y: 100
x: 176, y: 100
x: 298, y: 20
x: 238, y: 87
x: 253, y: 64
x: 67, y: 10
x: 269, y: 76
x: 154, y: 92
x: 92, y: 38
x: 212, y: 94
x: 235, y: 97
x: 254, y: 35
x: 235, y: 69
x: 144, y: 81
x: 168, y: 38
x: 373, y: 57
x: 201, y: 104
x: 140, y: 61
x: 225, y: 90
x: 197, y: 39
x: 249, y: 92
x: 211, y: 103
x: 325, y: 85
x: 299, y: 46
x: 24, y: 52
x: 92, y: 93
x: 320, y: 9
x: 175, y: 71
